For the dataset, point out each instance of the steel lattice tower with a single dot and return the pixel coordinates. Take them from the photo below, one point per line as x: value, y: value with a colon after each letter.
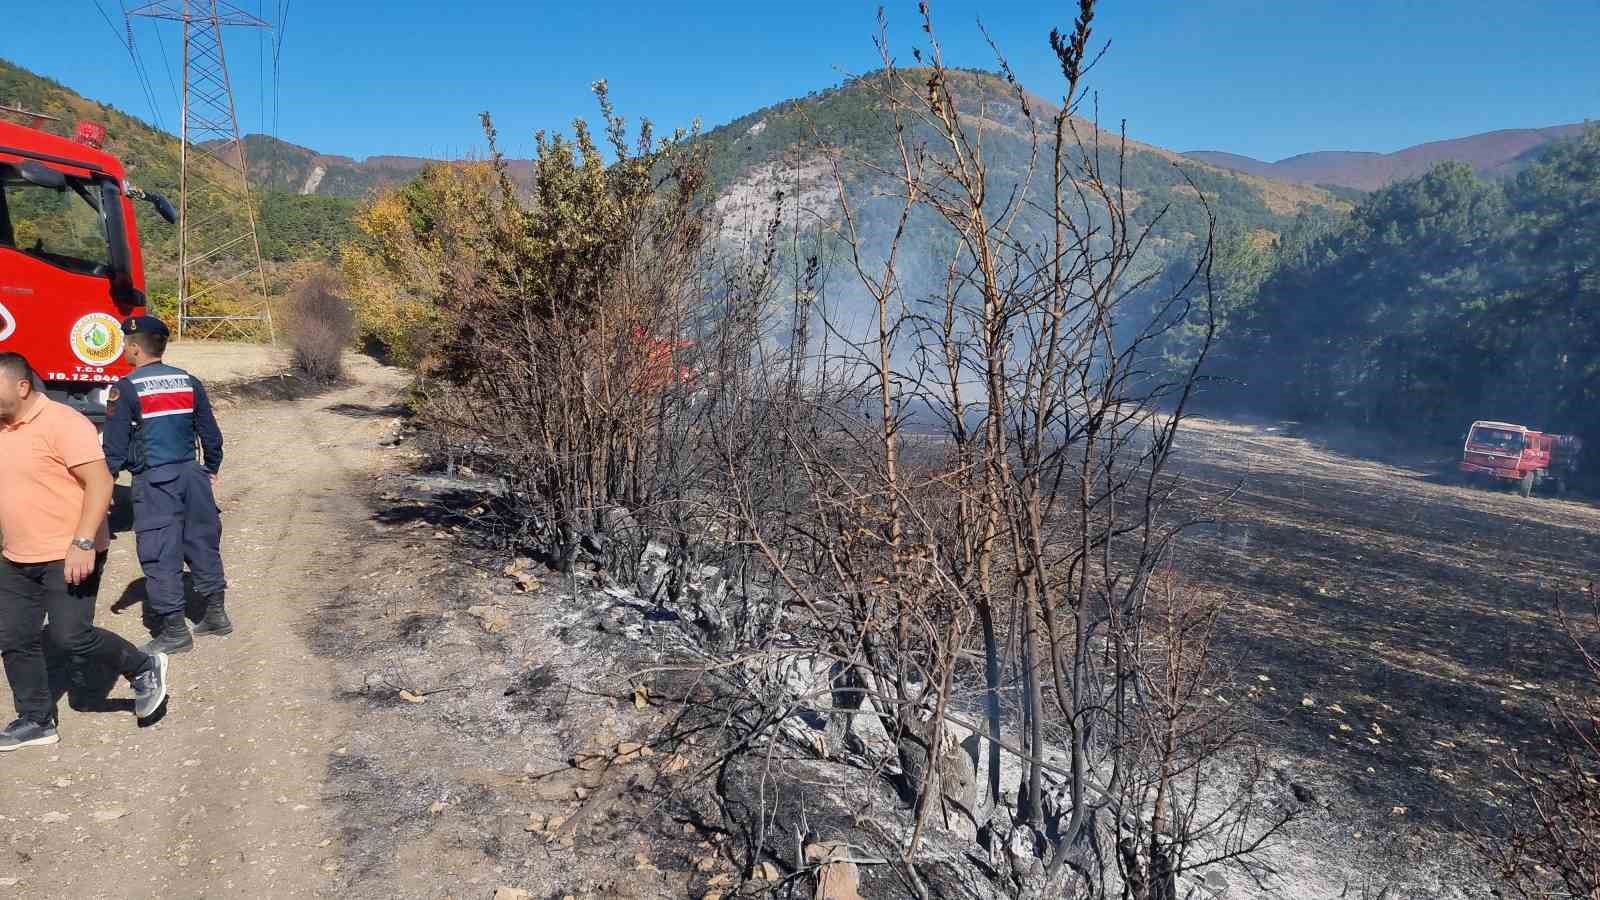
x: 216, y: 214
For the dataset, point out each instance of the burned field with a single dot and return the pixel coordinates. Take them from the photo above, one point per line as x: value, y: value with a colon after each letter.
x: 1389, y: 638
x: 1393, y: 634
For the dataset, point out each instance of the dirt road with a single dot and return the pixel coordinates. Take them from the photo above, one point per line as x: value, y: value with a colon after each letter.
x: 221, y: 362
x: 222, y: 797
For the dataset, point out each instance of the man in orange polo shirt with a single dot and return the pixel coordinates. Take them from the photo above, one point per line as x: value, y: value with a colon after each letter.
x: 54, y: 493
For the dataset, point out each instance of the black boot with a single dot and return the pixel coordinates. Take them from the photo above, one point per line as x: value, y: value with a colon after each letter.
x: 174, y: 636
x: 215, y: 621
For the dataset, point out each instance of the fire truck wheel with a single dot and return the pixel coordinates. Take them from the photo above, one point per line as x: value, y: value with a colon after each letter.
x: 1525, y: 486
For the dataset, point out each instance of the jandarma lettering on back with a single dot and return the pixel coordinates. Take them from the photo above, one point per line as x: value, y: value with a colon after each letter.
x: 154, y: 383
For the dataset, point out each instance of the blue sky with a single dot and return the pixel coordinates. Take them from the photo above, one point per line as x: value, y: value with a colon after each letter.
x: 1267, y: 79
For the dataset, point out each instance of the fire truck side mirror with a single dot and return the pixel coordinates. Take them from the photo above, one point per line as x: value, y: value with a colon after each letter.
x: 164, y: 207
x: 42, y: 175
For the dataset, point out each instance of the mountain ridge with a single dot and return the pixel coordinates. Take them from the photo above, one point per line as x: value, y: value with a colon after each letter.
x: 1499, y: 153
x: 308, y: 196
x: 287, y: 166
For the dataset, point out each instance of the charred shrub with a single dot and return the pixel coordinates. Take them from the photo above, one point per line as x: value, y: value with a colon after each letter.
x: 322, y: 327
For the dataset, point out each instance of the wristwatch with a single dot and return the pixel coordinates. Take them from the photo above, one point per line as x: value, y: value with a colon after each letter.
x: 83, y: 543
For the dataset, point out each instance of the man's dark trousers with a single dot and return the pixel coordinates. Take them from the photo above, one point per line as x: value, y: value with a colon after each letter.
x: 28, y: 593
x: 175, y: 520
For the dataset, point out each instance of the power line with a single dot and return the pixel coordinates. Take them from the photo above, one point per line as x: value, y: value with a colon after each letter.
x: 277, y: 54
x: 261, y: 74
x: 109, y: 23
x: 277, y: 71
x: 166, y: 62
x: 215, y: 248
x: 138, y: 70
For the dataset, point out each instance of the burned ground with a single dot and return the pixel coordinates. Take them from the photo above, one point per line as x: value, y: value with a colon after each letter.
x: 499, y: 744
x: 1391, y: 638
x: 1394, y: 634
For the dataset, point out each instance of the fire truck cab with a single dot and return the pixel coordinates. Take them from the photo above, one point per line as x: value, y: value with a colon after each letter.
x: 70, y: 266
x: 1513, y: 454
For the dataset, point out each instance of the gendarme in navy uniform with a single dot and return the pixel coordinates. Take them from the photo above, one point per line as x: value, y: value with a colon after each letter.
x: 155, y: 417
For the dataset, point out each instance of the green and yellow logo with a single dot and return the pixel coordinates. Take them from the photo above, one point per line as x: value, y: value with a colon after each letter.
x: 97, y: 339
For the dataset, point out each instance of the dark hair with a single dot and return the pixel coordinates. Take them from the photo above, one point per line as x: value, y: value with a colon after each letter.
x: 14, y: 366
x: 153, y: 344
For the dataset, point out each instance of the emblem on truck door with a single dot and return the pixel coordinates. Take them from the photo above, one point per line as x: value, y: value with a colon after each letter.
x: 8, y: 322
x: 97, y: 339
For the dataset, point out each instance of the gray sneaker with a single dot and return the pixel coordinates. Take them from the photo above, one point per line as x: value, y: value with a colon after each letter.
x: 150, y: 686
x: 27, y: 733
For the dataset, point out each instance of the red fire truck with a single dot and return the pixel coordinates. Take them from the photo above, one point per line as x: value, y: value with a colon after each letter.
x: 1512, y: 454
x: 70, y: 267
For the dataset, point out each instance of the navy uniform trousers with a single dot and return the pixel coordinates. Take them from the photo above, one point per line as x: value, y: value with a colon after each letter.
x: 176, y: 521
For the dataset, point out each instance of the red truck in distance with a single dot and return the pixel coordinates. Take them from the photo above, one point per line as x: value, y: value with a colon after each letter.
x: 70, y: 266
x: 1512, y: 454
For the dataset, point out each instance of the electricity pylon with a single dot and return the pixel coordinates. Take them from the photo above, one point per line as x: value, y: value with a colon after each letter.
x: 214, y: 182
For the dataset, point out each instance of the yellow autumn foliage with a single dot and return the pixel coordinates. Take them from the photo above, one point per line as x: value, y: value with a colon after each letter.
x: 394, y: 274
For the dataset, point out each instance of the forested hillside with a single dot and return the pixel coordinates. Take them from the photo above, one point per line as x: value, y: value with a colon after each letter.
x: 292, y: 227
x: 282, y: 167
x: 1440, y: 300
x: 778, y: 163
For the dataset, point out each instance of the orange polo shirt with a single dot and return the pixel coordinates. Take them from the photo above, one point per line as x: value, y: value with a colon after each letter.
x: 40, y: 500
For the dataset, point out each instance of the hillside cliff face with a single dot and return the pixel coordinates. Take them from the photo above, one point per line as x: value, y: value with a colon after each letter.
x: 850, y: 119
x: 793, y: 148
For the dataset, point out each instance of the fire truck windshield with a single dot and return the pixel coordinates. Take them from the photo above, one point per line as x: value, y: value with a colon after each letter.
x: 1495, y: 440
x: 63, y: 227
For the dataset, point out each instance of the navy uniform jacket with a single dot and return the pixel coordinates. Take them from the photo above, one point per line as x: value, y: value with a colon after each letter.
x: 156, y: 415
